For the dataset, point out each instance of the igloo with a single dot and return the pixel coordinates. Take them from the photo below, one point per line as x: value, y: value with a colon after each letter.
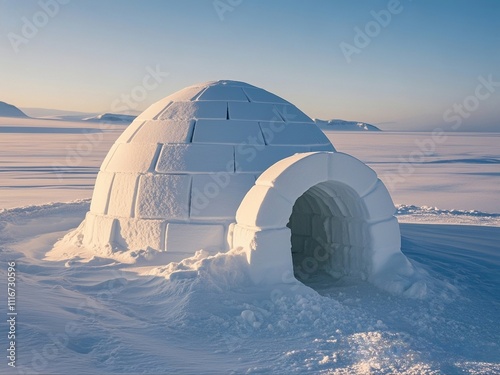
x: 225, y: 164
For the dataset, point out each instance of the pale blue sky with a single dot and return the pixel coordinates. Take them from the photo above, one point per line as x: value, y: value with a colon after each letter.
x: 428, y: 57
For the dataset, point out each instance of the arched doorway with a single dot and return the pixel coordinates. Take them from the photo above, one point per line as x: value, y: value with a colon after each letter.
x: 327, y: 227
x: 325, y: 198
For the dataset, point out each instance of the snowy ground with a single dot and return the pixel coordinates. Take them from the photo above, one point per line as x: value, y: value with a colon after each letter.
x: 203, y: 315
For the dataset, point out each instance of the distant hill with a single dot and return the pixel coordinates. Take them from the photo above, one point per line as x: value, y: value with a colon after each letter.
x: 342, y: 125
x: 112, y: 118
x: 8, y: 110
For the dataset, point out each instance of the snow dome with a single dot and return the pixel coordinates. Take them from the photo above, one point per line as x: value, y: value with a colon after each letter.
x: 226, y: 164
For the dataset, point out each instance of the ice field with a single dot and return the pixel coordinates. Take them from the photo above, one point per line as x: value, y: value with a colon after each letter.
x: 152, y: 314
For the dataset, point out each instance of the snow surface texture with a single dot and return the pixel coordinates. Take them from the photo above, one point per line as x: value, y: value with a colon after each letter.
x: 203, y: 314
x: 183, y: 166
x: 8, y: 110
x: 342, y: 125
x: 141, y: 314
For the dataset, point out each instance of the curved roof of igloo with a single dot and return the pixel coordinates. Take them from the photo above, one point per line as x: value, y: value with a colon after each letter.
x: 202, y: 124
x: 182, y: 168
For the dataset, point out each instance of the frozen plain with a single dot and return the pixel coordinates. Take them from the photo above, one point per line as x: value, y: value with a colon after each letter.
x: 100, y: 316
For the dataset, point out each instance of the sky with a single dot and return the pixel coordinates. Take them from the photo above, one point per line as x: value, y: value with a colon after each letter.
x: 402, y: 65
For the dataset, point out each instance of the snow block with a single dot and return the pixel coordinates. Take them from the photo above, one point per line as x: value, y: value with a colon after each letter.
x: 228, y: 132
x: 163, y: 197
x: 230, y: 235
x: 130, y: 131
x: 297, y: 133
x: 254, y: 112
x: 217, y: 196
x: 189, y: 238
x: 311, y: 167
x: 378, y: 203
x: 132, y: 158
x: 352, y: 172
x: 164, y: 131
x: 357, y: 232
x: 268, y: 253
x: 100, y: 197
x: 384, y: 235
x: 121, y: 202
x: 264, y: 207
x: 186, y: 94
x: 99, y: 230
x: 133, y: 234
x: 224, y: 93
x: 262, y: 96
x: 154, y: 109
x: 108, y: 156
x: 194, y: 110
x: 196, y: 158
x: 256, y: 158
x: 290, y: 113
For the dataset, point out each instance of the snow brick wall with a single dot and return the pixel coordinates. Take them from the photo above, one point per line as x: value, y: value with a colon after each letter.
x: 224, y: 165
x: 176, y: 176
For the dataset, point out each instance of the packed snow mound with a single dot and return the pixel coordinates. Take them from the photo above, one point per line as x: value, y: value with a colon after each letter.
x: 8, y: 110
x: 343, y: 125
x: 111, y: 118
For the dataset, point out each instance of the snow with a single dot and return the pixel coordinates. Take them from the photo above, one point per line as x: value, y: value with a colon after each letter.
x: 256, y: 159
x: 185, y: 160
x: 195, y: 110
x: 342, y: 125
x: 121, y: 195
x: 205, y: 315
x: 329, y: 198
x: 223, y: 93
x: 132, y: 157
x: 103, y: 183
x: 293, y: 134
x: 195, y: 158
x: 189, y: 238
x: 232, y: 132
x: 163, y: 196
x: 217, y: 196
x: 104, y: 310
x: 163, y: 131
x: 111, y: 118
x: 8, y: 110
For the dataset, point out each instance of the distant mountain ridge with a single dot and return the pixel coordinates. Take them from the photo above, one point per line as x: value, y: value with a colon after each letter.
x: 111, y: 117
x: 342, y: 125
x: 8, y: 110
